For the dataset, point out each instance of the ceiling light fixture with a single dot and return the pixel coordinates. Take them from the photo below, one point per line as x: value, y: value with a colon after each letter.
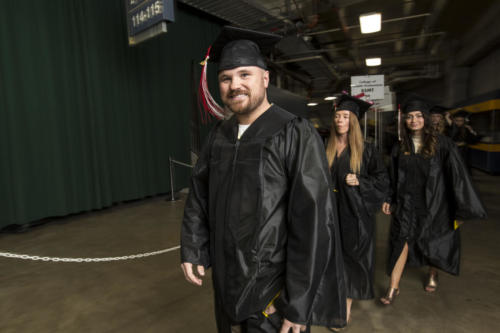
x: 330, y: 98
x: 312, y: 104
x: 373, y: 61
x: 371, y: 22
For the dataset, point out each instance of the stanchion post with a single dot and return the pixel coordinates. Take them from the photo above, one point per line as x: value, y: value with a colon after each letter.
x: 171, y: 166
x: 171, y: 163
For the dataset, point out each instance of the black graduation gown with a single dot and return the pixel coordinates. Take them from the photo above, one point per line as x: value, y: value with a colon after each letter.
x: 357, y: 206
x: 462, y: 138
x: 261, y: 214
x: 428, y: 195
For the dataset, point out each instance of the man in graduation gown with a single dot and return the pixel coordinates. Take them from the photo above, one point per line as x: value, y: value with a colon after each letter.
x: 260, y: 211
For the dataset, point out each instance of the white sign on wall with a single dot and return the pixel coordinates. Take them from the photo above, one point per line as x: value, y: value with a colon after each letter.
x: 371, y: 85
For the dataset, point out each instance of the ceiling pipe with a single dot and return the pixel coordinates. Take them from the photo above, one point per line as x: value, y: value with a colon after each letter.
x: 402, y: 38
x: 435, y: 46
x: 407, y: 9
x: 396, y: 61
x: 397, y: 19
x: 428, y: 72
x: 412, y: 78
x: 318, y: 57
x: 305, y: 81
x: 429, y: 22
x: 297, y: 59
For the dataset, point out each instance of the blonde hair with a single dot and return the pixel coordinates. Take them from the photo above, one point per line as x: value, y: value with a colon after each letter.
x: 355, y: 142
x: 440, y: 127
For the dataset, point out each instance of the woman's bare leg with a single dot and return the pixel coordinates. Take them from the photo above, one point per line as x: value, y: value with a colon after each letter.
x: 349, y: 304
x: 398, y: 269
x: 396, y: 274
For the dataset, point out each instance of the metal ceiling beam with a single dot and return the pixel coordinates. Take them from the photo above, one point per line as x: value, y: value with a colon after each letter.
x: 361, y: 44
x: 402, y: 38
x: 429, y: 22
x: 397, y: 19
x: 322, y: 59
x: 244, y: 13
x: 305, y: 81
x: 298, y: 59
x: 396, y: 61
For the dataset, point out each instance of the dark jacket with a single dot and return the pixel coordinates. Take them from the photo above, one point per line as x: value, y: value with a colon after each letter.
x: 260, y: 213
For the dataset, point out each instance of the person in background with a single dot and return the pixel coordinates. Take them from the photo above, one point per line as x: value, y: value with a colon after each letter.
x: 260, y: 210
x: 360, y: 183
x: 431, y: 192
x: 438, y: 120
x: 463, y: 135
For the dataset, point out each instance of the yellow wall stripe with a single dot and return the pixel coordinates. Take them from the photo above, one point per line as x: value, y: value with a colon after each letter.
x: 489, y: 147
x: 493, y: 104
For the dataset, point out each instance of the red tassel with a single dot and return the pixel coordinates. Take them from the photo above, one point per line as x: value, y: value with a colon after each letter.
x: 204, y: 97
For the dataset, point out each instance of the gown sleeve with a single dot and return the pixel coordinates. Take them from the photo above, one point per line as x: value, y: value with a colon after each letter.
x: 468, y: 205
x: 472, y: 138
x: 311, y: 228
x: 374, y: 185
x: 393, y: 176
x: 195, y: 236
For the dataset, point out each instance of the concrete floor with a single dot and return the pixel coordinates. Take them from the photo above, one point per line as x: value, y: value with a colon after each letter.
x: 150, y: 294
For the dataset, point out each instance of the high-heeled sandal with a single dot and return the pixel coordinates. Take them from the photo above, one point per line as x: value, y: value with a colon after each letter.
x: 432, y: 283
x: 390, y: 296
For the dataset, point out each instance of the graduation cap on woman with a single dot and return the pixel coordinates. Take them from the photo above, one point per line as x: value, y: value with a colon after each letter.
x: 416, y: 103
x: 412, y: 102
x: 234, y: 47
x: 461, y: 113
x: 438, y: 109
x: 354, y: 104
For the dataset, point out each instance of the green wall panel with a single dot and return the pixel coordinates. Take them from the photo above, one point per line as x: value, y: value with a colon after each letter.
x: 86, y: 120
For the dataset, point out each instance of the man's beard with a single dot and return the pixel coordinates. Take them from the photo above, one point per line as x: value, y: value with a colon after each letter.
x: 254, y: 101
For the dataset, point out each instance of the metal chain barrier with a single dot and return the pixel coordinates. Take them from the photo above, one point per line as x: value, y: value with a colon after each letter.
x: 86, y: 260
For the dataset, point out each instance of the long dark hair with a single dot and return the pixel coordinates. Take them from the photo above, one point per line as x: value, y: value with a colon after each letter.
x: 429, y: 137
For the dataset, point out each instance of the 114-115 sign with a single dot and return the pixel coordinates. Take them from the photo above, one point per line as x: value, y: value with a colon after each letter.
x: 144, y: 17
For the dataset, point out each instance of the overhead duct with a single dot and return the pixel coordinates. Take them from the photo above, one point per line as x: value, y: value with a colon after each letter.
x: 474, y: 48
x: 428, y: 72
x: 247, y: 14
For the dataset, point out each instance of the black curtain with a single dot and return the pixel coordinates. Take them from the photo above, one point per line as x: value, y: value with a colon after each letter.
x: 86, y: 120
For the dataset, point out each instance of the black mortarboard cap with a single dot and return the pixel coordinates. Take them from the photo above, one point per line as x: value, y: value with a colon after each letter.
x: 461, y: 113
x: 353, y: 104
x: 415, y: 103
x: 438, y: 109
x: 235, y: 47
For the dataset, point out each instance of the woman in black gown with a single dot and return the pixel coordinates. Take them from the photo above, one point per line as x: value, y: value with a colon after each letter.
x: 431, y: 192
x: 360, y: 182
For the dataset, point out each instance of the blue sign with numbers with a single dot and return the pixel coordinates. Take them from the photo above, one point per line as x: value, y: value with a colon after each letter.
x: 143, y: 14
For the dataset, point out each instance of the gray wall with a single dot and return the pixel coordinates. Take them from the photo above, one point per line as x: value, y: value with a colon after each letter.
x: 485, y: 75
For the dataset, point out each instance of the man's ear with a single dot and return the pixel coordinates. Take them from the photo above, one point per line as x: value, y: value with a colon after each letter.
x: 265, y: 77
